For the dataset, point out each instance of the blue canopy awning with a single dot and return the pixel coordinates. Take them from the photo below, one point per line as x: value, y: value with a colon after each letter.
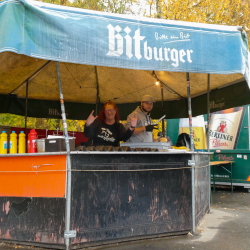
x: 80, y: 36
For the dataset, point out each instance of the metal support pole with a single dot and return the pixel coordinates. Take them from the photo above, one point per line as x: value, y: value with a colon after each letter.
x: 208, y: 110
x: 26, y: 105
x: 97, y: 92
x: 248, y: 125
x: 67, y: 234
x: 232, y: 188
x: 163, y: 112
x: 190, y: 114
x: 208, y: 146
x: 192, y: 150
x: 213, y: 179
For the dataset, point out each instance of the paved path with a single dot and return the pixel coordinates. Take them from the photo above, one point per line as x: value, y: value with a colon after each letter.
x: 227, y: 227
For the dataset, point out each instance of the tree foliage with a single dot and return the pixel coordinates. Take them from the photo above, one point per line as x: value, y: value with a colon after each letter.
x: 113, y: 6
x: 18, y: 121
x: 225, y: 12
x: 40, y: 123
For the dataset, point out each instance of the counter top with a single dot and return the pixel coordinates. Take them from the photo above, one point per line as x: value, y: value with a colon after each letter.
x: 106, y: 152
x: 33, y: 154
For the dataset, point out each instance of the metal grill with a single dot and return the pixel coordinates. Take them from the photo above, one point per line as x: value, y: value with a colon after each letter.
x: 111, y: 148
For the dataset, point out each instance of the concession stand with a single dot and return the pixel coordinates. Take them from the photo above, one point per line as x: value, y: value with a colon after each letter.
x: 97, y: 195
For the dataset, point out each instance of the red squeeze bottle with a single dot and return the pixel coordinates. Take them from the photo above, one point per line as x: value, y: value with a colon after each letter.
x: 32, y: 137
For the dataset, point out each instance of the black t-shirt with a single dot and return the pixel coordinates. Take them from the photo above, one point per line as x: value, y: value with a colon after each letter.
x: 107, y: 135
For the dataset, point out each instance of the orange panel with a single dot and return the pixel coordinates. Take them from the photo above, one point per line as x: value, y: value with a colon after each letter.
x: 35, y: 176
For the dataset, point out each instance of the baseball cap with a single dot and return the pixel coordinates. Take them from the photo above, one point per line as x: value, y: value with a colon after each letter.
x: 147, y: 98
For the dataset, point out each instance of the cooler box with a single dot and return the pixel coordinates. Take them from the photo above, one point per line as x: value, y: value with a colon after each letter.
x: 58, y: 144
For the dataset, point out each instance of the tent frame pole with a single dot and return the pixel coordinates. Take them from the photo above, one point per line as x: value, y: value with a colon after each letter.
x: 97, y: 92
x: 248, y: 124
x: 163, y: 112
x: 192, y: 150
x: 26, y: 105
x: 30, y: 78
x: 165, y: 85
x: 208, y: 146
x: 67, y: 234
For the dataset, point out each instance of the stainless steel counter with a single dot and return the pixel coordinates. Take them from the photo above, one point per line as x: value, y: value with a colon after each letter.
x: 106, y: 152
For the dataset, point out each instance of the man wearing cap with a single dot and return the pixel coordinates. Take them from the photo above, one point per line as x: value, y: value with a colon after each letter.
x: 144, y: 128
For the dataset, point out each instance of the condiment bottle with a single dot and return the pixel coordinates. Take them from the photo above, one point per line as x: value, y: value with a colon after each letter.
x: 3, y: 143
x: 32, y: 137
x: 21, y: 143
x: 13, y: 143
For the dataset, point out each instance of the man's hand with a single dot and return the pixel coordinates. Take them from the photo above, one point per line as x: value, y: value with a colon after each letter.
x: 150, y: 128
x: 90, y: 119
x: 133, y: 120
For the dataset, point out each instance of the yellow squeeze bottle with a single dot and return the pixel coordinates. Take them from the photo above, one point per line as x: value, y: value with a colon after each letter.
x: 13, y: 143
x: 21, y: 143
x: 3, y: 143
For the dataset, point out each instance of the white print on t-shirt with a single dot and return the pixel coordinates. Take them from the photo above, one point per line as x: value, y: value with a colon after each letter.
x: 105, y: 135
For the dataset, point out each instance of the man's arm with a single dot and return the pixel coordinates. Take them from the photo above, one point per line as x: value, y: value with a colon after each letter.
x: 137, y: 130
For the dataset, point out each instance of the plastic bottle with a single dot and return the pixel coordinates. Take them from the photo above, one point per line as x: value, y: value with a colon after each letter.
x: 13, y: 143
x: 32, y: 137
x: 22, y: 143
x: 3, y: 143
